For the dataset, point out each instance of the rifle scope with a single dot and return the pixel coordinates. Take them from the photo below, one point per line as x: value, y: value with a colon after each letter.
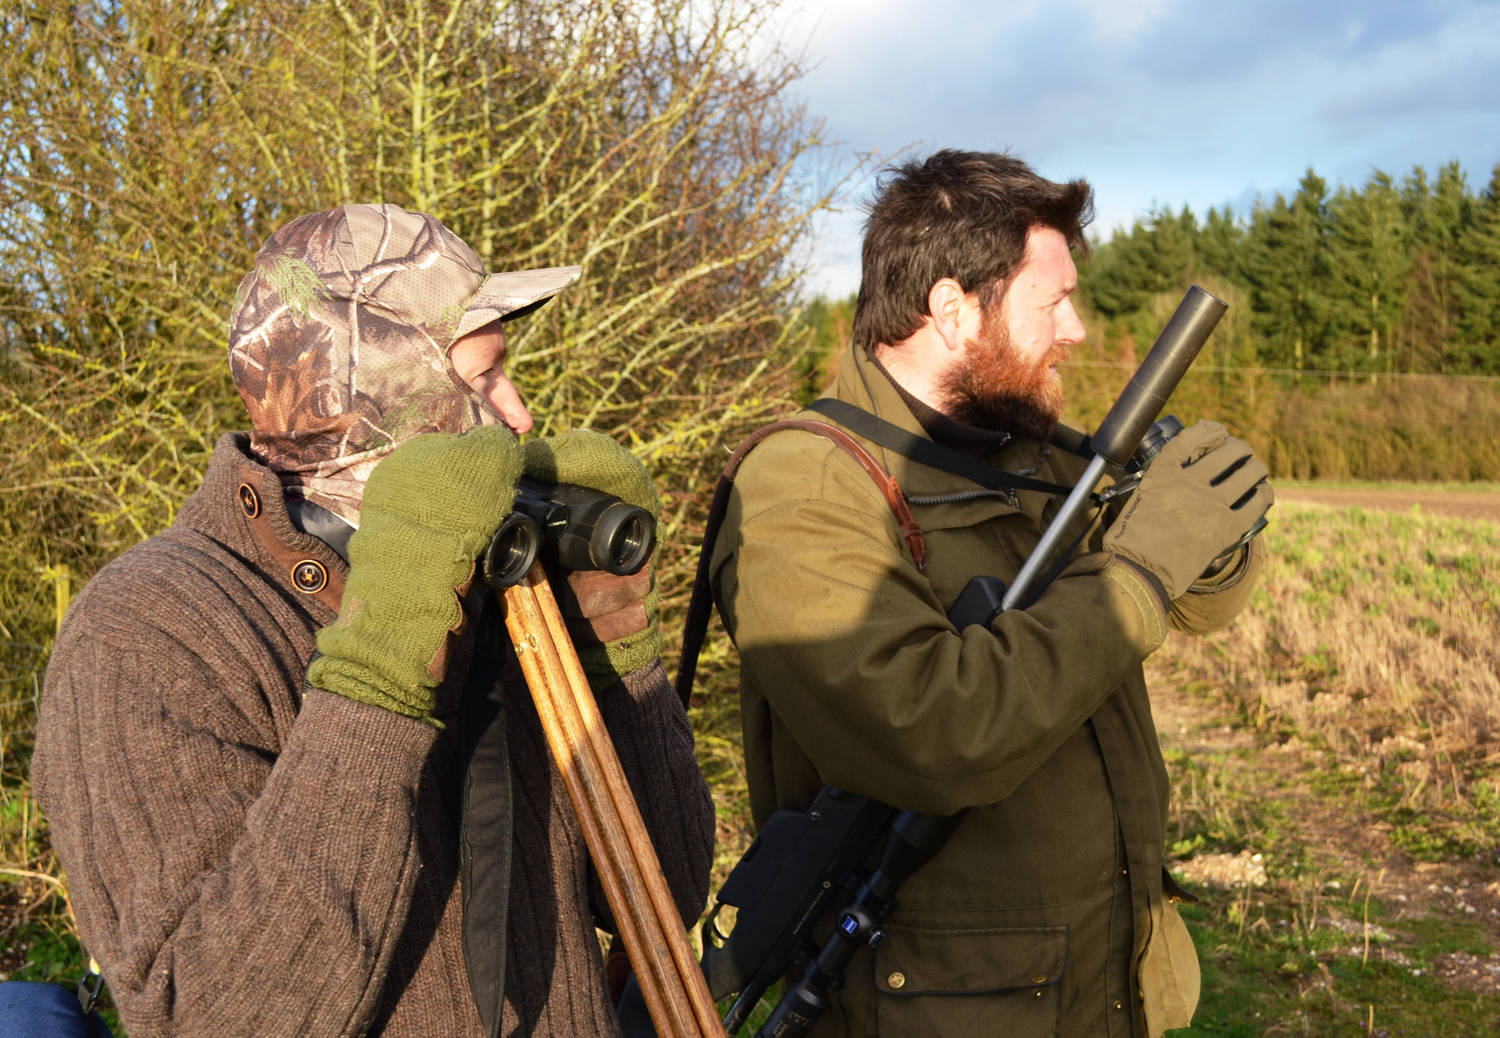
x: 571, y: 526
x: 1131, y: 415
x: 914, y: 838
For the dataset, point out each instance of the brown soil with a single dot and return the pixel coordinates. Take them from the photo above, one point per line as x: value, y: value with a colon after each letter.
x: 1461, y: 503
x: 1339, y: 840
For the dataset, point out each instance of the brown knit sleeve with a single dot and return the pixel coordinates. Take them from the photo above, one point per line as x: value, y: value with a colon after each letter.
x: 237, y: 866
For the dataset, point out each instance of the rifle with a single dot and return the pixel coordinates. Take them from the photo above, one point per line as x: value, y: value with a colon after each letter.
x: 809, y: 856
x: 780, y: 904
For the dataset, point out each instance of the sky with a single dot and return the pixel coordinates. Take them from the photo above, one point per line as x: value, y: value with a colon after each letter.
x: 1157, y: 103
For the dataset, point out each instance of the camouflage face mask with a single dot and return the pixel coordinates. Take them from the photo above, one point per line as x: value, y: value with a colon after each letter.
x: 339, y: 342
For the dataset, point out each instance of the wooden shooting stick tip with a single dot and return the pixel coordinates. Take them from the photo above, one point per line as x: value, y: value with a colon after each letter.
x: 671, y: 981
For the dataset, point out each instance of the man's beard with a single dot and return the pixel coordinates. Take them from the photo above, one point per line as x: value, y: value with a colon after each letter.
x: 994, y: 389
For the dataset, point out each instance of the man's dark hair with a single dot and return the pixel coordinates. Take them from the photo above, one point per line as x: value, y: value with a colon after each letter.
x: 961, y: 215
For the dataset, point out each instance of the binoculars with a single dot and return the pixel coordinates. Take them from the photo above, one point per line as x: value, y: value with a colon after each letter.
x: 571, y: 526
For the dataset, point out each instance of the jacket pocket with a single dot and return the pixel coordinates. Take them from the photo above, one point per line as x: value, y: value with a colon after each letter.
x: 944, y: 982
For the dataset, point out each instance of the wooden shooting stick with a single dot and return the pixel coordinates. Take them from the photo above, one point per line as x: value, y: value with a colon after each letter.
x: 676, y: 993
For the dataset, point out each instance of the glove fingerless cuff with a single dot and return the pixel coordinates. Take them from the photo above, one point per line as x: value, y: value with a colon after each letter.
x: 352, y: 681
x: 605, y: 664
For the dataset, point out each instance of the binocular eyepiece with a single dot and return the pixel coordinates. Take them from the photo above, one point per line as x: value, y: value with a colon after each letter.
x: 571, y: 526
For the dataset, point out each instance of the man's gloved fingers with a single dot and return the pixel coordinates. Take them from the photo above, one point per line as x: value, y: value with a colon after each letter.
x: 1256, y: 501
x: 1251, y: 531
x: 590, y: 459
x: 1250, y: 467
x: 1190, y: 445
x: 1236, y: 485
x: 1250, y: 511
x: 1223, y: 460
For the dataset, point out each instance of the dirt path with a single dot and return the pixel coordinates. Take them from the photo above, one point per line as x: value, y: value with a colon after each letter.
x: 1461, y: 503
x: 1338, y: 840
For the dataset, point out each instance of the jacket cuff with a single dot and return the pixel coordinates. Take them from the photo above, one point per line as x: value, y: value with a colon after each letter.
x: 1227, y: 577
x: 1144, y: 591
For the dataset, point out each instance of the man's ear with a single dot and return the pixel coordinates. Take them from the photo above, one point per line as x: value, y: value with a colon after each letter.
x: 945, y: 305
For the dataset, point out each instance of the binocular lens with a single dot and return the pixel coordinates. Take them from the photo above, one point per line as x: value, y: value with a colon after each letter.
x: 1155, y: 439
x: 622, y: 538
x: 512, y: 551
x: 572, y: 527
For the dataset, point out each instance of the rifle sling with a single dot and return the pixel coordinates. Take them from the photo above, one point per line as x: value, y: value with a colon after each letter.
x: 876, y: 430
x: 935, y: 455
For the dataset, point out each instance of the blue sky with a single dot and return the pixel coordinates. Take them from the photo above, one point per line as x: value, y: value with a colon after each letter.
x: 1158, y: 103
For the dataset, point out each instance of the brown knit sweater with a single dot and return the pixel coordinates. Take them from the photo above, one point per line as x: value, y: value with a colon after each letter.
x: 246, y: 861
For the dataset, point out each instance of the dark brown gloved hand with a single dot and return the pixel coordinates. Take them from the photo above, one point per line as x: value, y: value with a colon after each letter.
x: 1204, y: 491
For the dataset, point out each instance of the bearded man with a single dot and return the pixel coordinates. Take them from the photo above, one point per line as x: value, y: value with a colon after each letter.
x: 1048, y: 910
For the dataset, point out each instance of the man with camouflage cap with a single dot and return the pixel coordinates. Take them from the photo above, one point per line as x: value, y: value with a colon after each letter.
x: 290, y: 764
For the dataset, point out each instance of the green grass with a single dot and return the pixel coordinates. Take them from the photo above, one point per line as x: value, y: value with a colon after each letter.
x: 1280, y: 984
x: 1313, y: 952
x: 1369, y: 651
x: 1275, y: 963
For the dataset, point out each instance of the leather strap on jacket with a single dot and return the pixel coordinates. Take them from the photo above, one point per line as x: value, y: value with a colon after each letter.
x: 700, y: 606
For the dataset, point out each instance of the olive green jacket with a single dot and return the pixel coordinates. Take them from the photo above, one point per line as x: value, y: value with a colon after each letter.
x: 1044, y: 913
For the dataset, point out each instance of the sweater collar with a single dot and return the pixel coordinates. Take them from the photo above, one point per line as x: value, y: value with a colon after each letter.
x: 247, y: 494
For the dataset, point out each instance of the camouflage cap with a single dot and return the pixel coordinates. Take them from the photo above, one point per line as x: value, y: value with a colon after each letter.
x: 339, y: 339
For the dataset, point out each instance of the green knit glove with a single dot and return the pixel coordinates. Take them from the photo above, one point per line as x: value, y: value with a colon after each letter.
x: 429, y: 510
x: 612, y: 619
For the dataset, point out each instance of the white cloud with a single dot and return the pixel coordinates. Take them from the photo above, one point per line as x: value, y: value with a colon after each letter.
x: 1161, y: 103
x: 1120, y: 21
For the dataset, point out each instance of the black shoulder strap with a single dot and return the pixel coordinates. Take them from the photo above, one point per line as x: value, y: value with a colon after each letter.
x: 700, y: 606
x: 486, y: 831
x: 926, y: 452
x: 876, y: 430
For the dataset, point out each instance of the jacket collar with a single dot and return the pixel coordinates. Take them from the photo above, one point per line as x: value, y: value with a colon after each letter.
x: 862, y: 383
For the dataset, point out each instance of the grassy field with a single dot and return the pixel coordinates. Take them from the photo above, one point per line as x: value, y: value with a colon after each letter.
x: 1336, y: 760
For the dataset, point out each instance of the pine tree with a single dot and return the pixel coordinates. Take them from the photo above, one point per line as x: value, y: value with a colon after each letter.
x: 1369, y: 257
x: 1219, y: 244
x: 1437, y: 214
x: 1286, y: 265
x: 1156, y: 256
x: 1477, y: 286
x: 1118, y: 278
